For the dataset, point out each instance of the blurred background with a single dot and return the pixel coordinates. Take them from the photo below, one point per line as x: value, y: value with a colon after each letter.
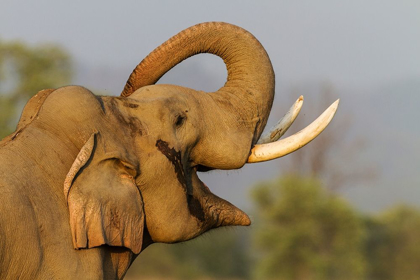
x: 344, y: 207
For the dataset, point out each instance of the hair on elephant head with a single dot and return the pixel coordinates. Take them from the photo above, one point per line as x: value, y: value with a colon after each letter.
x: 129, y: 164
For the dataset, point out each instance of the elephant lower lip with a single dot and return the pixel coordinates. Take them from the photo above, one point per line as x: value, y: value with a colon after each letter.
x: 223, y: 212
x: 234, y: 218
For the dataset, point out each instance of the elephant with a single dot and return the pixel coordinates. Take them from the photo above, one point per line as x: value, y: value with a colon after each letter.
x: 88, y: 182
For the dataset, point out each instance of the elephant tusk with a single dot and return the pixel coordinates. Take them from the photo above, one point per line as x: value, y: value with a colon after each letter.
x: 283, y: 125
x: 269, y: 151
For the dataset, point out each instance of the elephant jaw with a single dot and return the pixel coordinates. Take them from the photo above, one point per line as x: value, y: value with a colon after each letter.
x: 219, y: 212
x: 226, y: 214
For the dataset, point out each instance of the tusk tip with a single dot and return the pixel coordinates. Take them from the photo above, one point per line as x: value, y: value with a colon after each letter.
x: 334, y: 106
x: 331, y: 111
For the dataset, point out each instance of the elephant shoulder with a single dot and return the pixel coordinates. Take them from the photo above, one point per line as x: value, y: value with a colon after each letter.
x: 17, y: 245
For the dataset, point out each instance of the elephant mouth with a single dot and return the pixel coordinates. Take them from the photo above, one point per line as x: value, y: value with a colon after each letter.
x: 206, y: 207
x: 203, y: 168
x: 218, y: 211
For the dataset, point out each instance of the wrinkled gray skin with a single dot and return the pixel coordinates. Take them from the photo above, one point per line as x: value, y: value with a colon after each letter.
x: 87, y: 182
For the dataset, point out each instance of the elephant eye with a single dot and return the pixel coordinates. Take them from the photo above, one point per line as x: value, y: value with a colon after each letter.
x: 179, y: 120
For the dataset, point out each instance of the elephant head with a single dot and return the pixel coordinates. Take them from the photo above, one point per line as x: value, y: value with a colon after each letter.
x: 138, y: 177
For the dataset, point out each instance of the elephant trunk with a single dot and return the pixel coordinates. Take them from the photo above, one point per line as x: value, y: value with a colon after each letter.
x: 242, y: 104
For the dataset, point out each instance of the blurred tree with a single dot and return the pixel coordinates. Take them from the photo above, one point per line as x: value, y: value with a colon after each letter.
x: 222, y: 254
x: 25, y: 70
x: 393, y: 244
x: 303, y: 232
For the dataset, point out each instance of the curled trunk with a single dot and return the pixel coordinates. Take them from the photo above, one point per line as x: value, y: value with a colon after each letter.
x: 244, y: 102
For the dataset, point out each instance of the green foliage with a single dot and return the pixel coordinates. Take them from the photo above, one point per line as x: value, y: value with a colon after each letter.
x: 220, y: 254
x: 393, y: 244
x: 7, y: 111
x: 25, y: 70
x: 303, y: 232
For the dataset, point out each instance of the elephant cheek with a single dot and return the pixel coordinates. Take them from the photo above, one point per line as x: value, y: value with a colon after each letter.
x: 172, y: 221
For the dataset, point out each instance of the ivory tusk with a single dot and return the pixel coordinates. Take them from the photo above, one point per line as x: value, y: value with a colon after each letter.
x: 273, y: 150
x: 283, y: 125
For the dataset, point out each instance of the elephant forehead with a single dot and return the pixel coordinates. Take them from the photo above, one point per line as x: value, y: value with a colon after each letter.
x: 165, y: 93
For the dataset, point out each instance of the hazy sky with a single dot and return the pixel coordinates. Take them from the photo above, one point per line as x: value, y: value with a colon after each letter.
x: 349, y: 43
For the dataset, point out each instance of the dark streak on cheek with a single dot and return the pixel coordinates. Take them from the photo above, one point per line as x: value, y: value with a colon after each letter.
x: 194, y: 206
x: 174, y: 157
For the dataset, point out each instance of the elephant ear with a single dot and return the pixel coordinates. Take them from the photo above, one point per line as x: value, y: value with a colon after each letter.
x: 105, y: 205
